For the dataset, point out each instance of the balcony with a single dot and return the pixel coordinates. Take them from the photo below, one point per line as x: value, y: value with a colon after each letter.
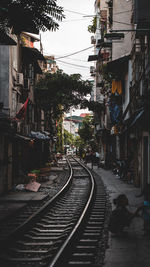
x: 92, y: 70
x: 93, y: 40
x: 93, y: 58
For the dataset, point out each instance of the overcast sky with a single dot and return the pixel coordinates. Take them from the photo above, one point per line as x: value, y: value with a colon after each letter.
x: 71, y: 37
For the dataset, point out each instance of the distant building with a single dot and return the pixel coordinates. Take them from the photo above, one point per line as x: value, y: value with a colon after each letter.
x: 84, y: 115
x: 50, y: 65
x: 73, y: 123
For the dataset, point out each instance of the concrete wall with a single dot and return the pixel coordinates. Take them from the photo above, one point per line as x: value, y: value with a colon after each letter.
x: 70, y: 126
x: 4, y: 75
x: 2, y: 167
x: 8, y: 70
x: 122, y: 11
x: 128, y: 79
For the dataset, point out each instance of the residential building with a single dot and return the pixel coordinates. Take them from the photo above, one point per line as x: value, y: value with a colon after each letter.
x: 19, y: 71
x: 122, y: 127
x: 72, y: 124
x: 8, y: 62
x: 50, y: 65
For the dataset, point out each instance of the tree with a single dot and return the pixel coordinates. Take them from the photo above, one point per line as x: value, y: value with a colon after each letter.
x: 79, y: 143
x: 68, y: 138
x: 92, y: 27
x: 94, y: 106
x: 59, y: 91
x: 31, y: 16
x: 56, y: 93
x: 86, y: 131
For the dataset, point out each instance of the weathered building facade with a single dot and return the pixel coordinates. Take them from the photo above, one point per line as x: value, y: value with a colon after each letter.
x: 8, y: 48
x: 122, y: 81
x: 22, y: 147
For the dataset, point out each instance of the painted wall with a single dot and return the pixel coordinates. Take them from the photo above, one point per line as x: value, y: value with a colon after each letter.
x: 8, y: 70
x: 122, y: 11
x: 70, y: 126
x: 4, y: 75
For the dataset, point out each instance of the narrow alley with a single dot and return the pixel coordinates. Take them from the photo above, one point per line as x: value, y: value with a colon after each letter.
x: 75, y: 133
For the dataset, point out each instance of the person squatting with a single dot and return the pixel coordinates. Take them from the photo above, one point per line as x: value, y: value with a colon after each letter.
x: 121, y: 217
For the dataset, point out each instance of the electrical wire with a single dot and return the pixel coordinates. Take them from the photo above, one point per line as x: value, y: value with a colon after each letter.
x: 73, y: 20
x: 76, y: 59
x: 75, y: 12
x: 94, y: 14
x: 76, y: 52
x: 81, y: 66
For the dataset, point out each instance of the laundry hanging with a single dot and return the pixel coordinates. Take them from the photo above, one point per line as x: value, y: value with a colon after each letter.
x: 116, y: 87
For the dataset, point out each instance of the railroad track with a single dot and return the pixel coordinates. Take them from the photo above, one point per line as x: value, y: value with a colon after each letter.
x: 10, y: 226
x: 68, y: 231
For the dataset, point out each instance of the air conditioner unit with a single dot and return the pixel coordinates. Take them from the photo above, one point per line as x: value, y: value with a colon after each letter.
x: 19, y: 79
x: 92, y: 69
x: 93, y: 40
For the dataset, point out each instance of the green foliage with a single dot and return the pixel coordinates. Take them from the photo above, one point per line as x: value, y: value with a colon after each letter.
x: 87, y: 136
x: 31, y: 16
x: 78, y: 142
x: 61, y: 89
x: 68, y: 138
x: 86, y: 132
x: 92, y: 27
x: 60, y: 139
x: 93, y: 106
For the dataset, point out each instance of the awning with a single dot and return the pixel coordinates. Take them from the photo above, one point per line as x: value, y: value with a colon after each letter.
x: 31, y: 35
x: 5, y: 39
x: 46, y: 133
x: 112, y: 65
x: 37, y: 68
x: 93, y: 58
x: 137, y: 117
x: 32, y: 54
x: 22, y: 137
x: 39, y: 136
x: 128, y: 123
x: 104, y: 44
x: 114, y: 35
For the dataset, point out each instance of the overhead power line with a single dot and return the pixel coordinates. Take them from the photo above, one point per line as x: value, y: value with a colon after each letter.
x: 75, y: 52
x: 73, y: 20
x: 81, y: 66
x: 76, y: 59
x: 74, y: 12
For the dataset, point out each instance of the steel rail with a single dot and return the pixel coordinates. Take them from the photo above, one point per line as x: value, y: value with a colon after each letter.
x: 58, y: 257
x: 52, y: 201
x: 28, y: 222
